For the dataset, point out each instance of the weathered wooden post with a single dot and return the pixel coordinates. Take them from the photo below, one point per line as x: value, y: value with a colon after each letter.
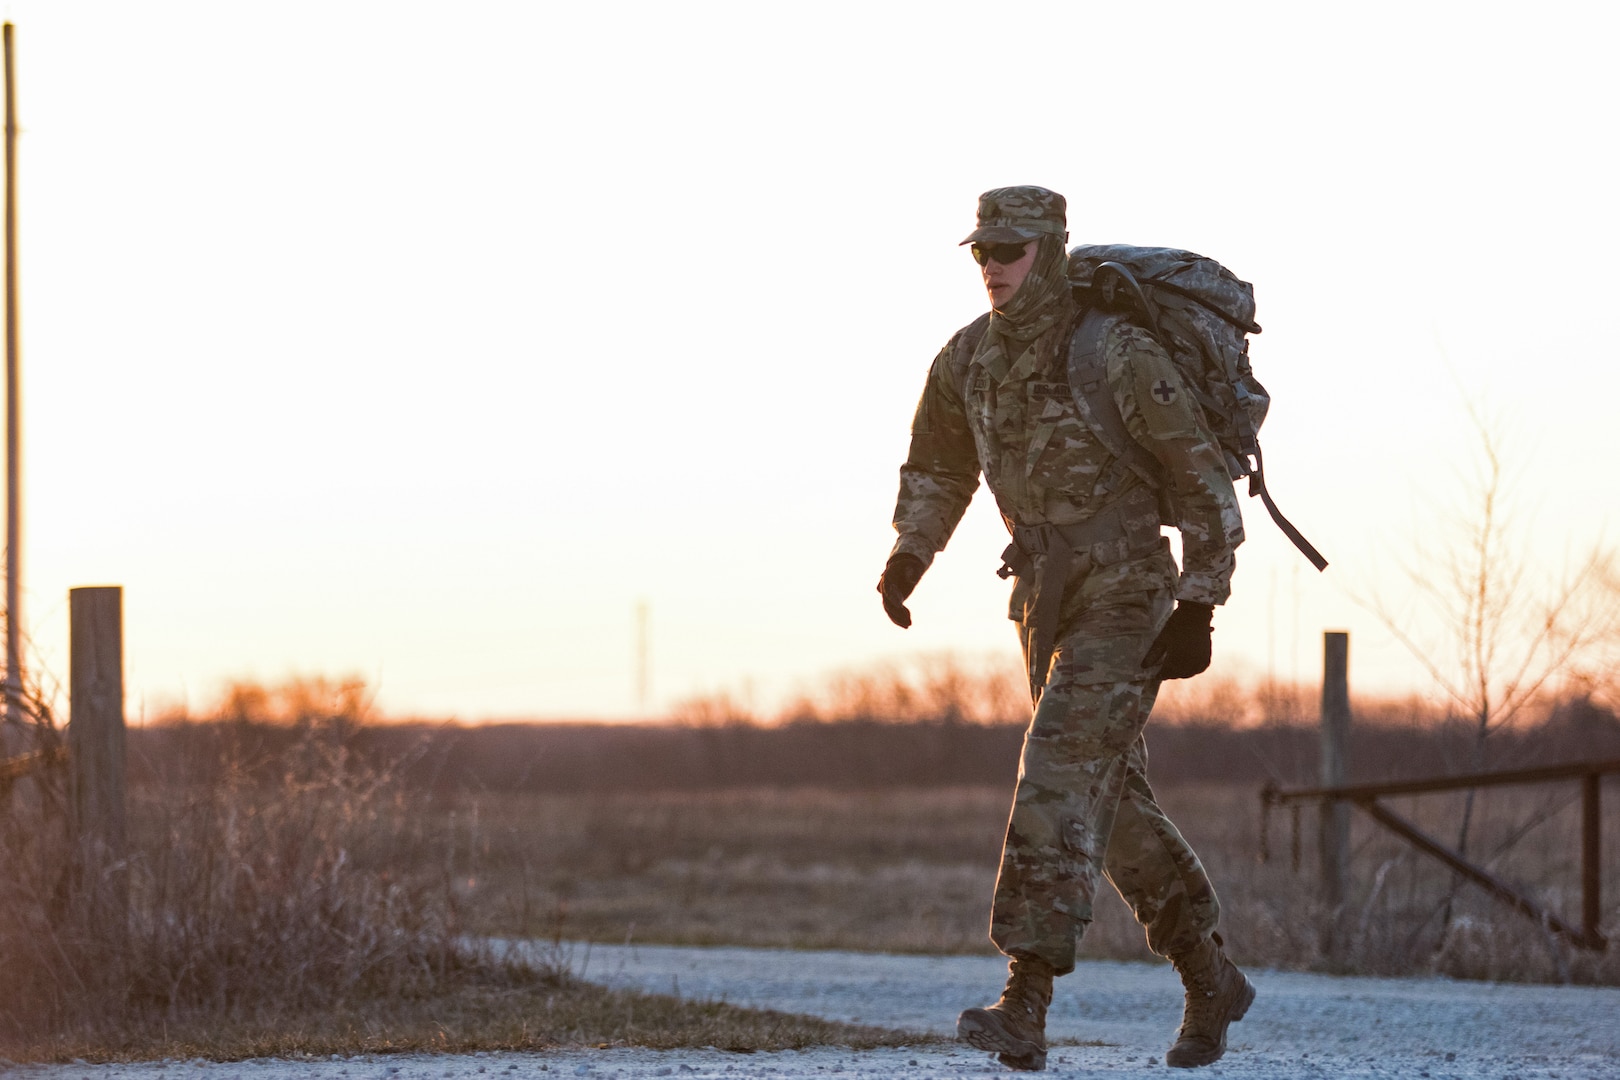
x: 96, y: 731
x: 1592, y: 857
x: 1334, y: 834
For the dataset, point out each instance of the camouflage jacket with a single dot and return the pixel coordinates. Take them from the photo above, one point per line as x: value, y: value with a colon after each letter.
x: 1014, y: 419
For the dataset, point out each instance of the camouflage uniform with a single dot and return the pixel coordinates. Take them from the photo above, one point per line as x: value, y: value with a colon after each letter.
x: 1003, y: 408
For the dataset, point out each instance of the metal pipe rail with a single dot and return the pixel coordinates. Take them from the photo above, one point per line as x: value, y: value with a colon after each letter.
x: 1366, y: 796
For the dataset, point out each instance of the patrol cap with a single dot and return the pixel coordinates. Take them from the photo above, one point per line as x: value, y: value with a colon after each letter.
x: 1009, y: 215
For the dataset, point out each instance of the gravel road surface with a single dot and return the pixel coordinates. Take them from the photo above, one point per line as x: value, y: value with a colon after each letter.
x: 1305, y: 1026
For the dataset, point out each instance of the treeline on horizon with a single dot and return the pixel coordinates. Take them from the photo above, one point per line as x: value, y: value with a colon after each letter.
x: 1219, y: 735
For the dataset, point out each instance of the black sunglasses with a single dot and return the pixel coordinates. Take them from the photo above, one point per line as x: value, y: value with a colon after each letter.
x: 1005, y: 254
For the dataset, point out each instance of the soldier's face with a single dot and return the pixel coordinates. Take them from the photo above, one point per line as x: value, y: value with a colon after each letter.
x: 1001, y: 280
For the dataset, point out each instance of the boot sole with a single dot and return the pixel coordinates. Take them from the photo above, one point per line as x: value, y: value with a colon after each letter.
x: 1240, y: 1009
x: 978, y: 1028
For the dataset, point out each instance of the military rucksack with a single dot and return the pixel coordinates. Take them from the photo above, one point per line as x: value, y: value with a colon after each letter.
x: 1202, y: 314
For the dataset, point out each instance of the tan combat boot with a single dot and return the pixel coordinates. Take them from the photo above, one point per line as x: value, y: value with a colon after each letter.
x: 1218, y: 994
x: 1014, y: 1027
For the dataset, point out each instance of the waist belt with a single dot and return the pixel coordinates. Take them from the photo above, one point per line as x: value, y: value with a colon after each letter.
x: 1126, y: 527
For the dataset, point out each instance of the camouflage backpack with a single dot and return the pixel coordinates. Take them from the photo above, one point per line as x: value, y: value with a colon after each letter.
x: 1202, y: 315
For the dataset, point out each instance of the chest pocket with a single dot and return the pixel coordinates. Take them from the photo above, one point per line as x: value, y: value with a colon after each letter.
x: 1045, y: 404
x: 1063, y: 454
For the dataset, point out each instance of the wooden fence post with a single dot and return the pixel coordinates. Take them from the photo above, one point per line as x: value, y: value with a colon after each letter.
x: 1334, y: 834
x: 1591, y: 856
x: 96, y: 728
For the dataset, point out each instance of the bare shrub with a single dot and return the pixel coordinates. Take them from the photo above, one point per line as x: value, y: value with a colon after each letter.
x: 936, y: 687
x: 307, y: 701
x: 261, y: 880
x: 926, y: 688
x: 720, y: 709
x: 1213, y: 699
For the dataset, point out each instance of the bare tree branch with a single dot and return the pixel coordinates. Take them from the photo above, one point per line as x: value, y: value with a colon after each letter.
x: 1506, y: 634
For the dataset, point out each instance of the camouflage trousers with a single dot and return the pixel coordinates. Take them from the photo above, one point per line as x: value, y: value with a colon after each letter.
x: 1083, y: 808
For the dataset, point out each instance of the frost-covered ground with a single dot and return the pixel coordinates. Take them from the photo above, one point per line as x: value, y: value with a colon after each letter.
x: 1301, y: 1025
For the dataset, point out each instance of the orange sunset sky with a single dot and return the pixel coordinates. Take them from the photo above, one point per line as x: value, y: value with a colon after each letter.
x: 422, y: 342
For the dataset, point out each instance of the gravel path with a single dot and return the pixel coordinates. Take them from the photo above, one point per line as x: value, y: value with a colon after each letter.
x: 1301, y: 1026
x: 1137, y: 1006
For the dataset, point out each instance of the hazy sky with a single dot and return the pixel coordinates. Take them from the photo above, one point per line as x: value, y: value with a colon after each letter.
x: 423, y: 341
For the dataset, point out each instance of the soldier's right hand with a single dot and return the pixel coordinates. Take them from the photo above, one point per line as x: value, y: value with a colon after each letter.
x: 900, y: 576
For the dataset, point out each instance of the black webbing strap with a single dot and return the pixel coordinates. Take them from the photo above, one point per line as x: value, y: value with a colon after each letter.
x: 1257, y: 486
x: 1127, y: 527
x: 1044, y: 610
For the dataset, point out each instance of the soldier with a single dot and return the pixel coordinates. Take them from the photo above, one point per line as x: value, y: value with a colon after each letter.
x: 1102, y: 611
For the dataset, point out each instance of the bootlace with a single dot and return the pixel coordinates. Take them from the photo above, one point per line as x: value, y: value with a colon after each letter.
x: 1022, y: 992
x: 1202, y: 990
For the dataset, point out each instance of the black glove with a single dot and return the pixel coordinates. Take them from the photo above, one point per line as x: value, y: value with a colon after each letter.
x: 1182, y: 648
x: 900, y: 576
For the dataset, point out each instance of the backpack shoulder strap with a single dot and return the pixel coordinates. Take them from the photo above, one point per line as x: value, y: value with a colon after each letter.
x: 1088, y: 381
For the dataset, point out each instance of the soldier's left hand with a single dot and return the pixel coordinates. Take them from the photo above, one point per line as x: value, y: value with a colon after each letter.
x: 1182, y: 648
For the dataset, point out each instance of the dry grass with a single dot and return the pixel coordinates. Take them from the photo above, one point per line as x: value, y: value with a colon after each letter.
x: 490, y: 1011
x: 904, y: 871
x: 913, y: 871
x: 896, y: 871
x: 286, y: 892
x: 291, y: 901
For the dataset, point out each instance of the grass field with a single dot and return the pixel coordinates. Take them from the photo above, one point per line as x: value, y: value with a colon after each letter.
x: 301, y: 902
x: 286, y: 892
x: 912, y: 870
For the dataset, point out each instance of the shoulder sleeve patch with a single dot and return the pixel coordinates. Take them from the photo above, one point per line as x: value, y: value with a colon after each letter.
x: 1151, y: 379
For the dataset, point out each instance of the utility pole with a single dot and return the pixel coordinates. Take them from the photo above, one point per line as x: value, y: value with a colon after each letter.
x: 643, y: 674
x: 14, y: 682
